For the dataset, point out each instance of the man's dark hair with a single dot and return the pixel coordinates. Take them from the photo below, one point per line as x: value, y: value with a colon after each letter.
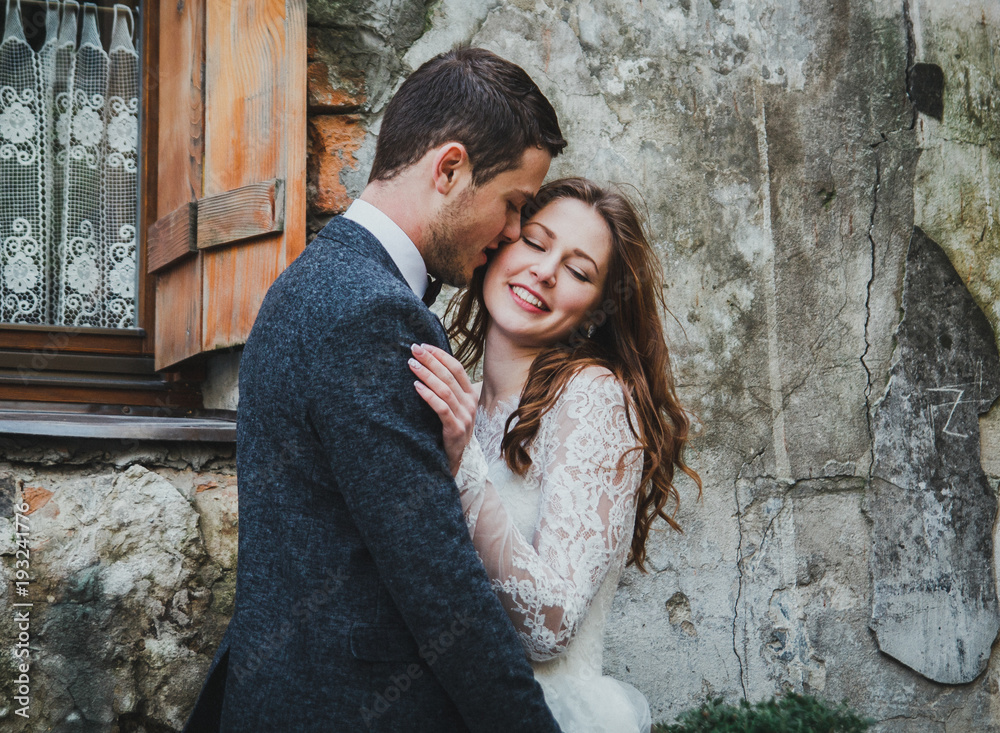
x: 471, y: 96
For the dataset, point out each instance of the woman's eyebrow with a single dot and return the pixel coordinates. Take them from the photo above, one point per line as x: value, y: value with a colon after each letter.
x: 548, y: 231
x: 581, y: 253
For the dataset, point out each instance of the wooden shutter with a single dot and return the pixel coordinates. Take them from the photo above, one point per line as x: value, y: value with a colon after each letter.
x: 230, y: 195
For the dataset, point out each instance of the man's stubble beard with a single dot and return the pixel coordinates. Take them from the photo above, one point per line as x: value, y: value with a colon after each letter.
x: 446, y: 256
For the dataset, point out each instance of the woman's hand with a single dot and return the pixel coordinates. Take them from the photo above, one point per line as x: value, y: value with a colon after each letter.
x: 444, y: 385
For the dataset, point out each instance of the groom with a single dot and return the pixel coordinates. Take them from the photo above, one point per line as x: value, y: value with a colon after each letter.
x: 360, y: 601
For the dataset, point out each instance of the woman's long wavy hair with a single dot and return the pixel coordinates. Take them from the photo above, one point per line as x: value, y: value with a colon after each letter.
x: 627, y: 339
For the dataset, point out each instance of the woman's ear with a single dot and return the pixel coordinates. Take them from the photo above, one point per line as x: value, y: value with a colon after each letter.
x: 450, y: 167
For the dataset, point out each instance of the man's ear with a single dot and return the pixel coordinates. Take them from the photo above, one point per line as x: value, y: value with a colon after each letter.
x: 451, y: 165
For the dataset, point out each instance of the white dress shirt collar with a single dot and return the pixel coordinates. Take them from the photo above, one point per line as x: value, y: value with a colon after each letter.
x: 400, y: 247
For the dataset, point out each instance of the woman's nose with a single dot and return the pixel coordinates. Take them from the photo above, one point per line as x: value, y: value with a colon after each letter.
x: 544, y: 270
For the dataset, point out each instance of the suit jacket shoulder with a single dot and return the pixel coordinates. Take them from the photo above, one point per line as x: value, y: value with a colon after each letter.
x: 344, y: 273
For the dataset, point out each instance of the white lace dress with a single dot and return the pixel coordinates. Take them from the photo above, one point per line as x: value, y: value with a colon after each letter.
x: 555, y: 542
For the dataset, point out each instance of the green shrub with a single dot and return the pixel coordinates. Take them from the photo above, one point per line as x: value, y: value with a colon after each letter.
x: 791, y: 714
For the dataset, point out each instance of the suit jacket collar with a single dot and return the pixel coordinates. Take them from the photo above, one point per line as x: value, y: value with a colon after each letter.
x: 396, y: 242
x: 350, y: 234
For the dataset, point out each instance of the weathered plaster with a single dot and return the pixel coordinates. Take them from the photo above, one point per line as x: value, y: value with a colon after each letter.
x: 220, y: 390
x: 782, y: 166
x: 958, y: 178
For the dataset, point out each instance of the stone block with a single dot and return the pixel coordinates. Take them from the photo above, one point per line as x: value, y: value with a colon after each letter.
x: 328, y: 92
x: 333, y: 142
x: 935, y: 601
x: 120, y: 599
x: 217, y: 508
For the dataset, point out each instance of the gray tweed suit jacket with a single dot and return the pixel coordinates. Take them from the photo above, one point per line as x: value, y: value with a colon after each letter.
x: 360, y: 601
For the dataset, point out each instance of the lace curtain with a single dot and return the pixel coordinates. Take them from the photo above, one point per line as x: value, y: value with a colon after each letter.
x: 69, y: 131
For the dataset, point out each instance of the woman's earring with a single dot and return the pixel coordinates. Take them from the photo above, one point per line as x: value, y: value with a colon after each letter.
x: 590, y: 330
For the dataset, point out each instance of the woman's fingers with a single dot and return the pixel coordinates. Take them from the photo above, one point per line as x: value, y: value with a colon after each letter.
x: 457, y: 406
x: 447, y: 370
x: 442, y: 408
x: 431, y: 380
x: 435, y: 364
x: 453, y: 365
x: 455, y: 435
x: 454, y: 428
x: 444, y: 386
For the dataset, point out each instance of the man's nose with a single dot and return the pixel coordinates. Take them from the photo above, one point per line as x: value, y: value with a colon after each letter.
x: 512, y: 228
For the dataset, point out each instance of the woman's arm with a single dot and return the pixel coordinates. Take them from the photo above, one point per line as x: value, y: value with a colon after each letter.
x: 586, y: 517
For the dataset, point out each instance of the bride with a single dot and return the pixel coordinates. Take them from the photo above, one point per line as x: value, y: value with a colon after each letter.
x: 564, y: 454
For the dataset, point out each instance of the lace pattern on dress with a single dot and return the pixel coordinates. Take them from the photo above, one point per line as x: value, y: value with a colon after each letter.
x: 588, y: 480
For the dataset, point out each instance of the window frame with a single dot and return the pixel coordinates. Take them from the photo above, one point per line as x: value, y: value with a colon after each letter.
x: 217, y: 234
x: 57, y: 361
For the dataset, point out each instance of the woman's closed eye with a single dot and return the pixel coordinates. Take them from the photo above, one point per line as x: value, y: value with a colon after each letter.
x: 578, y: 274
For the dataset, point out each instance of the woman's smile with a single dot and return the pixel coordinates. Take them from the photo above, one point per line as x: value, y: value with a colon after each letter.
x: 528, y: 299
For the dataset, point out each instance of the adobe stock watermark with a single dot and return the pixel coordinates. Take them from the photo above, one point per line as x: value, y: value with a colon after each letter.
x: 22, y: 613
x: 430, y: 652
x: 597, y: 317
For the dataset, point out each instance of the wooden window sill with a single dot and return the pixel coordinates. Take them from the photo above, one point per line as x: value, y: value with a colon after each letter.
x: 217, y: 426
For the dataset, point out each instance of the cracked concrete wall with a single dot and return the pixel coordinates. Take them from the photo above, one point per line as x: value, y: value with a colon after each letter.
x: 785, y: 151
x: 932, y: 507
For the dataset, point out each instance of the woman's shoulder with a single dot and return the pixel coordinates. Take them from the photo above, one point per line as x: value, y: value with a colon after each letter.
x: 594, y: 405
x: 593, y: 386
x: 594, y: 379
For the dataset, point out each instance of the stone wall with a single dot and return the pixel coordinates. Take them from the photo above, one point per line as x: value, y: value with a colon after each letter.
x: 819, y: 179
x: 132, y: 560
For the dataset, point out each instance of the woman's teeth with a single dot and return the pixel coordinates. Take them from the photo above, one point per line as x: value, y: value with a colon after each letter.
x: 527, y: 297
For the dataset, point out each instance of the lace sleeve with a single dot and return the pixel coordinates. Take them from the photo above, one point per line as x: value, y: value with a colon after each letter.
x: 585, y: 521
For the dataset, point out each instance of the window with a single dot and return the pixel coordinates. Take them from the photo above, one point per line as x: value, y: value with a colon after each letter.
x: 218, y: 203
x: 69, y: 133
